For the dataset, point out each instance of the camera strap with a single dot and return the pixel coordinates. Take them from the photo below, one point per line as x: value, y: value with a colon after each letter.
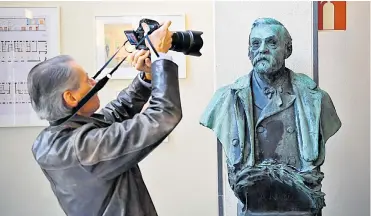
x: 150, y: 43
x: 109, y: 60
x: 102, y: 82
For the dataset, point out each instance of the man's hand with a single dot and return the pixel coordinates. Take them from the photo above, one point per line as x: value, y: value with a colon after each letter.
x: 140, y: 61
x: 161, y: 38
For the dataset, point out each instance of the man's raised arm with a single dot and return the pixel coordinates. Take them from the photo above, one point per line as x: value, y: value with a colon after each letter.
x: 108, y: 152
x: 129, y: 102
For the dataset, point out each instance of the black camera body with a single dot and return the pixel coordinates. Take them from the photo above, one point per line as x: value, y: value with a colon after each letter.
x: 188, y: 42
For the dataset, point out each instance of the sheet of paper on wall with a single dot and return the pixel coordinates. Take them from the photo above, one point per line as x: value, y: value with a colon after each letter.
x: 110, y: 36
x: 24, y: 42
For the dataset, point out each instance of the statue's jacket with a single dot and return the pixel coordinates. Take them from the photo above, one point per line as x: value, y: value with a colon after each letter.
x: 230, y: 115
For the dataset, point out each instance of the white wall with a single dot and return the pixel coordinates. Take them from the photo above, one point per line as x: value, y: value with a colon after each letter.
x: 238, y: 24
x: 344, y: 72
x: 186, y: 164
x: 181, y: 175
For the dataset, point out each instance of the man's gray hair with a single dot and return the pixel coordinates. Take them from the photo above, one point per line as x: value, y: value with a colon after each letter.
x: 270, y: 21
x: 46, y: 83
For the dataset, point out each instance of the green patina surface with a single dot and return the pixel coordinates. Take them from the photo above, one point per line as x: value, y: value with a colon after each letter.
x: 230, y: 115
x: 316, y: 118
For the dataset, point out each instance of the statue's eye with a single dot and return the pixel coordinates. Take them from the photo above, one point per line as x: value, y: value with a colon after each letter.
x: 272, y: 42
x: 255, y: 44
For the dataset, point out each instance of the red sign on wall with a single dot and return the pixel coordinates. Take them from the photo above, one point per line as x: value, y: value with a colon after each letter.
x: 332, y: 15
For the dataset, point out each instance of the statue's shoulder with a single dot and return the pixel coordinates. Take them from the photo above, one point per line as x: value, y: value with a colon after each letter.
x: 222, y: 92
x: 221, y: 98
x: 330, y: 122
x: 226, y: 92
x: 217, y: 108
x: 222, y: 103
x: 304, y: 82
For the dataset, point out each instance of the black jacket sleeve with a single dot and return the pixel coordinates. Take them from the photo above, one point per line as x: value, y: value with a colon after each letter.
x: 129, y: 102
x: 110, y: 151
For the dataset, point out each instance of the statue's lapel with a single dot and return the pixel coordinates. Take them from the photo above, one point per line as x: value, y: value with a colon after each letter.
x: 307, y: 102
x: 245, y: 118
x: 272, y: 100
x: 274, y: 106
x: 308, y: 114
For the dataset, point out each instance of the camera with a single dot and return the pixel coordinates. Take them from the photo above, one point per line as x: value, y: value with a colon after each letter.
x: 187, y: 42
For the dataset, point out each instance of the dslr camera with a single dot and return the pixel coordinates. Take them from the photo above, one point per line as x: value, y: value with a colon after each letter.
x: 187, y: 42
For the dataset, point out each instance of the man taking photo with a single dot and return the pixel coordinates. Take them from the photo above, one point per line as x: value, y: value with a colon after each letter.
x: 91, y: 160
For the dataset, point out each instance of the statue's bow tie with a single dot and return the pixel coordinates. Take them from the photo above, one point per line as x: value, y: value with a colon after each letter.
x: 270, y: 91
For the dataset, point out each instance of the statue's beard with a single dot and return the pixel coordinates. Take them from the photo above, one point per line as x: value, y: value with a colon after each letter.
x: 266, y: 64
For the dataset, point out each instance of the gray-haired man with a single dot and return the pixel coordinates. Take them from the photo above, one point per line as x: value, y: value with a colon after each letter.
x: 92, y: 160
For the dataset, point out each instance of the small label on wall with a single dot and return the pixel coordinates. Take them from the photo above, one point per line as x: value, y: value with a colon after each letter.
x: 332, y: 15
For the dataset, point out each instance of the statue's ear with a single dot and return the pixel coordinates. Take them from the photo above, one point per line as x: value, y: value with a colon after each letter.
x: 288, y: 50
x: 250, y: 54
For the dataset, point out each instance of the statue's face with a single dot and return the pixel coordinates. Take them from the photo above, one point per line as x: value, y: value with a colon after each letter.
x: 267, y: 49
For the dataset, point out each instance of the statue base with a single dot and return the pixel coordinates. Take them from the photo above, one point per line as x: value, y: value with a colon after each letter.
x: 278, y: 190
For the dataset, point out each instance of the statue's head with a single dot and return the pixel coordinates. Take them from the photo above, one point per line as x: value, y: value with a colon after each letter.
x: 270, y: 44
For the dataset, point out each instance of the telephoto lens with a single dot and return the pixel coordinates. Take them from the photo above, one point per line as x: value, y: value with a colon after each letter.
x: 188, y: 42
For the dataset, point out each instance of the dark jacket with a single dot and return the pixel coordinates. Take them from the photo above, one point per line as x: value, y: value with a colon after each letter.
x: 92, y: 162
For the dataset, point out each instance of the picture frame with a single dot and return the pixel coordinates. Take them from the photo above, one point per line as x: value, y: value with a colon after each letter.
x: 29, y: 36
x: 110, y: 36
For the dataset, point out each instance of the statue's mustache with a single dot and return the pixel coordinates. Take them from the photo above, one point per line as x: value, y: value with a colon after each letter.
x: 261, y: 57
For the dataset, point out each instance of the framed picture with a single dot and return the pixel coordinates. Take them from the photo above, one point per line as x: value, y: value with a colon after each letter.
x: 110, y: 37
x: 29, y: 35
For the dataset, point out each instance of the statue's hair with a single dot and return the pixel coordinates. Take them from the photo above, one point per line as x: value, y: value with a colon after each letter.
x: 284, y: 33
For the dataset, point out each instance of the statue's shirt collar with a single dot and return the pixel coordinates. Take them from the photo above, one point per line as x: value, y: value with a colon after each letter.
x: 264, y: 93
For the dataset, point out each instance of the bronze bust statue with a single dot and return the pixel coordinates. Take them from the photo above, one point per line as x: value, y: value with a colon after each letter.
x: 273, y: 124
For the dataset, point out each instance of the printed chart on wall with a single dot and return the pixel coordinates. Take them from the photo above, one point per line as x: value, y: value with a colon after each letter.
x: 28, y: 36
x: 110, y: 37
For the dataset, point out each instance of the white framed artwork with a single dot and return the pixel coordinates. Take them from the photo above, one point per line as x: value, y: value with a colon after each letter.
x: 28, y: 36
x: 110, y: 36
